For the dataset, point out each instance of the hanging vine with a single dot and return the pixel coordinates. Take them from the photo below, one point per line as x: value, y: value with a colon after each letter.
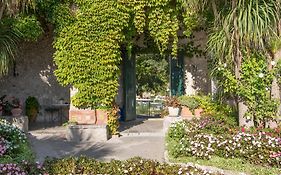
x: 90, y: 34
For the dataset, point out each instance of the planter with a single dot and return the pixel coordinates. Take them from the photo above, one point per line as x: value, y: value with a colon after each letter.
x: 198, y: 112
x: 173, y: 112
x: 16, y: 112
x: 185, y: 112
x: 89, y: 117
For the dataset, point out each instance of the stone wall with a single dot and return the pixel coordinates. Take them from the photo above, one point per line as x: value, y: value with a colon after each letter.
x: 197, y: 78
x: 33, y: 76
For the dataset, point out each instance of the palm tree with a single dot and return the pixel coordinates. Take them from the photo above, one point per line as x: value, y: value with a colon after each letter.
x: 8, y: 36
x: 242, y: 25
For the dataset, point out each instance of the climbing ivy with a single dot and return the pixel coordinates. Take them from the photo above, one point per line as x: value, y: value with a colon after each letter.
x: 92, y: 36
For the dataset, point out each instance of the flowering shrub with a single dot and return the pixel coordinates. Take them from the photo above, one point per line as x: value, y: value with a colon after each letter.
x: 11, y: 169
x: 134, y: 166
x: 195, y: 140
x: 13, y: 144
x: 13, y: 136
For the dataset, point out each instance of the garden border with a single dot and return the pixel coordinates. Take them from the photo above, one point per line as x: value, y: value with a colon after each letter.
x: 203, y: 167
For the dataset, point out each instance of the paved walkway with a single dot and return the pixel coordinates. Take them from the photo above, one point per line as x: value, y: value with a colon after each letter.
x: 142, y: 138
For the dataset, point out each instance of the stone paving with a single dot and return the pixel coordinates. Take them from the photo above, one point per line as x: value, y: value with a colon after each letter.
x: 143, y: 137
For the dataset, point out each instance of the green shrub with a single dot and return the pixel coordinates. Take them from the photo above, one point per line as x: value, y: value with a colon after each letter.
x: 32, y: 108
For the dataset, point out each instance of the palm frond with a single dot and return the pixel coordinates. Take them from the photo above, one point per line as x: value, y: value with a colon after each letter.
x: 8, y: 47
x: 256, y: 22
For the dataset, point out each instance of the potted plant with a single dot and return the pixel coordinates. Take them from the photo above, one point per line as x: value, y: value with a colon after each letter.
x: 32, y: 107
x: 16, y: 107
x: 173, y: 106
x: 190, y: 106
x: 10, y: 106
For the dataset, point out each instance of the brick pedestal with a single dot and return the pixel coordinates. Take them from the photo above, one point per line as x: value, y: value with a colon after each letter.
x: 88, y: 117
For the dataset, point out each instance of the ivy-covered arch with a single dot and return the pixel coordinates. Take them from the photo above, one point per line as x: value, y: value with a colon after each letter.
x: 92, y: 34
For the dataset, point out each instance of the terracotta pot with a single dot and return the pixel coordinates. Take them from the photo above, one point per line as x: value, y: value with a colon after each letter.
x: 16, y: 112
x: 198, y: 112
x: 173, y: 112
x: 185, y: 112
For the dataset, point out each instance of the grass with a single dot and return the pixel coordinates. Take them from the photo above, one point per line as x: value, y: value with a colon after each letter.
x: 236, y: 165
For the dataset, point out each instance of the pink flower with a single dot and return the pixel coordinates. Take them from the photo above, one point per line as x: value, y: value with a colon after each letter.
x: 275, y: 155
x: 243, y: 129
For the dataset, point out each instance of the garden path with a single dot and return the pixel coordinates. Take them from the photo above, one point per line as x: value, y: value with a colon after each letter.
x: 143, y: 137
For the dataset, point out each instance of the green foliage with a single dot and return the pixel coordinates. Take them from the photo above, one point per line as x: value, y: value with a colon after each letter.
x: 31, y: 108
x: 217, y: 110
x: 253, y: 87
x: 87, y: 53
x: 8, y: 45
x: 133, y: 166
x: 29, y: 27
x: 13, y: 27
x: 207, y: 137
x: 90, y: 35
x: 152, y: 74
x: 235, y: 165
x: 16, y: 144
x: 113, y: 120
x: 189, y: 101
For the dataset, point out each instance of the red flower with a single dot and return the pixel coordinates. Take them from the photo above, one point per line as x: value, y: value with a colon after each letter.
x: 243, y: 129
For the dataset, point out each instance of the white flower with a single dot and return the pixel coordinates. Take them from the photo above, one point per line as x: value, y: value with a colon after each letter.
x: 261, y: 75
x: 224, y: 65
x: 273, y: 63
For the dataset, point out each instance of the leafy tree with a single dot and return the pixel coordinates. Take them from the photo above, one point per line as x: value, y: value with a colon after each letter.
x: 152, y: 74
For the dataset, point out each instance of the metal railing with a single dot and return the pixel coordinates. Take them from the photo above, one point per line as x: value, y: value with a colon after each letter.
x: 149, y: 107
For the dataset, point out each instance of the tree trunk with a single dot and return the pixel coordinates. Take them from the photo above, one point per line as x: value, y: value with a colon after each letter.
x: 275, y: 89
x: 242, y: 108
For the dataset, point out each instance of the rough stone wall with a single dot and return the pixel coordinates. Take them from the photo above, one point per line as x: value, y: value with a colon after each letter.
x: 33, y: 76
x: 197, y: 78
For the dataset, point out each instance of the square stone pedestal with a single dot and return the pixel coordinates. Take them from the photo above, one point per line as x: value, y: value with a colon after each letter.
x: 87, y: 133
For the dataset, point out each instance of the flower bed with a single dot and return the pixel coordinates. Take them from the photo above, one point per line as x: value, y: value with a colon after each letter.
x: 83, y: 165
x: 13, y: 144
x: 207, y: 137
